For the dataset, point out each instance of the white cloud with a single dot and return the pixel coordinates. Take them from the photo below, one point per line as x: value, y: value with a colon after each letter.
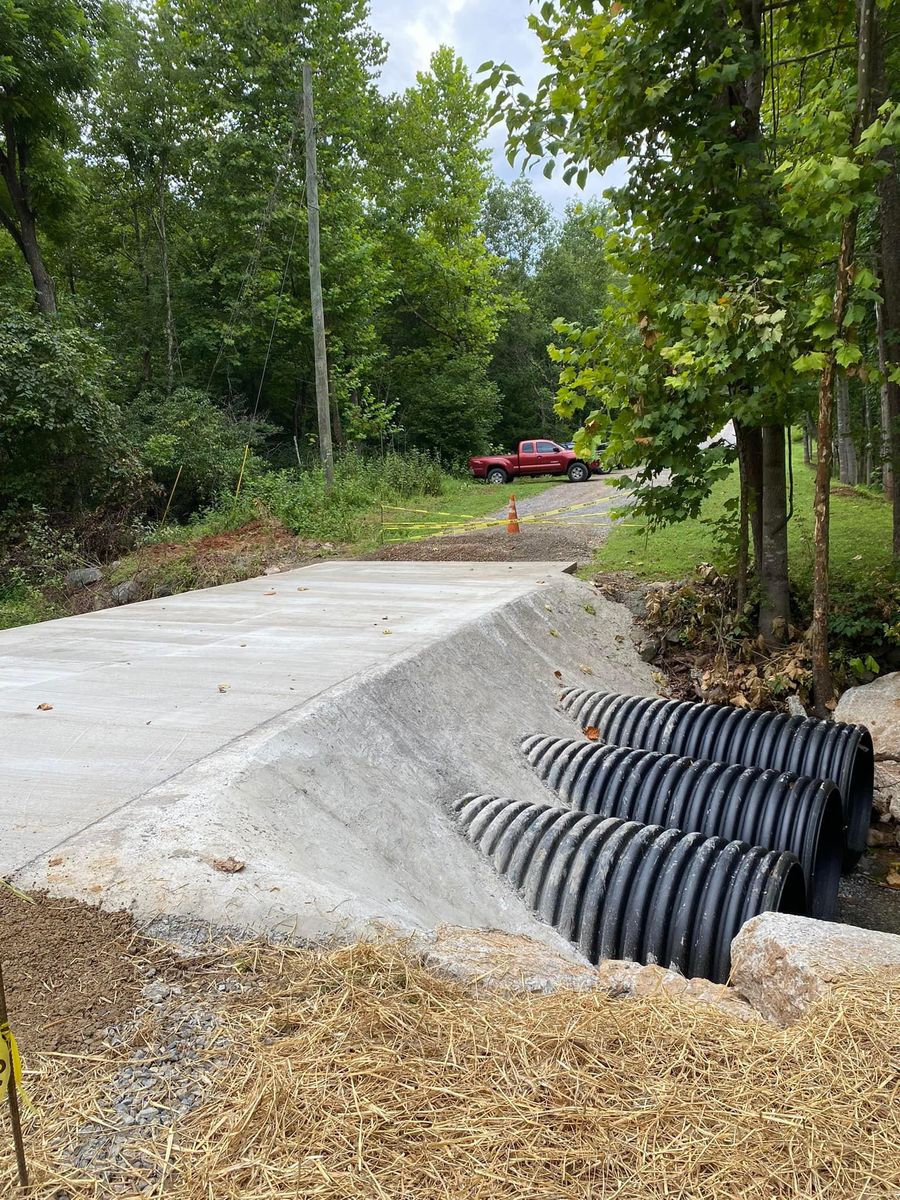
x: 478, y: 30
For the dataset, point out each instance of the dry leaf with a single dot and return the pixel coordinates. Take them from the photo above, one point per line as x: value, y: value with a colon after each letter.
x: 584, y: 670
x: 591, y: 732
x: 387, y: 631
x: 223, y: 687
x: 892, y: 879
x: 55, y: 860
x: 270, y: 592
x: 305, y: 589
x: 229, y: 866
x: 44, y: 707
x: 553, y: 633
x: 557, y: 674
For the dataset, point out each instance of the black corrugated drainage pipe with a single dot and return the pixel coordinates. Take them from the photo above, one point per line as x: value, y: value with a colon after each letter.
x: 719, y: 733
x: 727, y: 800
x: 623, y: 890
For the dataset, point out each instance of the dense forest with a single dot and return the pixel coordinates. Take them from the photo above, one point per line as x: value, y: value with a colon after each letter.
x: 156, y: 346
x: 155, y: 204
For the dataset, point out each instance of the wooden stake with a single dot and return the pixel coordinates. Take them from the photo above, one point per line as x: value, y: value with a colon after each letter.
x: 13, y: 1099
x: 315, y: 281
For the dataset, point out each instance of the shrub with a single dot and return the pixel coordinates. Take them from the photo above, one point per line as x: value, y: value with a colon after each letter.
x: 187, y: 433
x: 62, y: 441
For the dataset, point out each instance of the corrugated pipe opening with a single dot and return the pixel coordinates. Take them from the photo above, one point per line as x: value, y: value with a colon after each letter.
x: 720, y: 733
x: 773, y: 809
x: 619, y: 889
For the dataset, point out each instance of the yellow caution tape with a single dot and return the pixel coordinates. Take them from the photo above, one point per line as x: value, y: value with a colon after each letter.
x: 11, y: 1065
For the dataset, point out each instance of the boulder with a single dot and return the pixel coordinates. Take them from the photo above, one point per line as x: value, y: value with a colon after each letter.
x: 491, y: 959
x: 886, y: 797
x: 161, y: 590
x: 877, y: 706
x: 83, y: 577
x: 780, y: 963
x: 125, y: 593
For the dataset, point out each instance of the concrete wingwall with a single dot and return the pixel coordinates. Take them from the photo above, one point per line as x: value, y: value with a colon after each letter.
x: 336, y: 808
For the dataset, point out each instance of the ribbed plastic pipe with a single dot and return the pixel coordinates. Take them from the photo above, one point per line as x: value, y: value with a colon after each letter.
x: 720, y: 733
x: 618, y: 889
x: 773, y: 809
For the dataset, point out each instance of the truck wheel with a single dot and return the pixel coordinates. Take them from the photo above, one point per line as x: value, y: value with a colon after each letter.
x: 578, y: 472
x: 497, y: 475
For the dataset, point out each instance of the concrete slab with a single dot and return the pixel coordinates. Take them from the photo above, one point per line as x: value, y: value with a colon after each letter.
x: 336, y: 805
x: 141, y: 692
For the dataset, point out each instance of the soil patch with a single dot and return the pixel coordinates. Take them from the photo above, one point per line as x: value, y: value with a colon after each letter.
x: 545, y: 543
x: 69, y: 970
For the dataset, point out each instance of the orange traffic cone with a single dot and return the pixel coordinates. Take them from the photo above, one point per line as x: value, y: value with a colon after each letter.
x: 512, y: 517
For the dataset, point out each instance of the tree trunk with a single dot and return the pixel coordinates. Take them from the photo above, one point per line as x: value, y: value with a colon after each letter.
x: 823, y: 685
x: 848, y: 470
x: 167, y: 290
x: 749, y: 447
x: 888, y: 312
x: 775, y: 604
x: 807, y: 442
x: 886, y: 448
x: 22, y: 223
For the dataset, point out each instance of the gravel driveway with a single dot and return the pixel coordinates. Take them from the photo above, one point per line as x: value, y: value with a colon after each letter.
x: 566, y: 536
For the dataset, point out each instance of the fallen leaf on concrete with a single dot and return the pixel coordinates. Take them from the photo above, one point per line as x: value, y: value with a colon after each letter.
x: 44, y: 707
x: 270, y: 592
x: 553, y: 633
x: 590, y: 610
x: 548, y: 608
x: 557, y: 674
x: 386, y: 631
x: 584, y: 670
x: 55, y: 860
x: 229, y: 865
x: 96, y: 887
x: 304, y: 589
x: 223, y: 687
x: 591, y: 732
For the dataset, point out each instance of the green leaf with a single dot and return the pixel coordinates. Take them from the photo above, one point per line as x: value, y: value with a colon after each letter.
x: 809, y: 362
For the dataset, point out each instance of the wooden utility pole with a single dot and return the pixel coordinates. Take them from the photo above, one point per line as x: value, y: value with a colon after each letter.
x: 315, y: 280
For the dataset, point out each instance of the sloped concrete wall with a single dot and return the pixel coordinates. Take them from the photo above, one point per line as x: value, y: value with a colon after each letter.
x: 336, y: 807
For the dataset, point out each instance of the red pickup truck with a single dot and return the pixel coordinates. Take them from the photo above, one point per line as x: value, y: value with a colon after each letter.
x: 536, y: 457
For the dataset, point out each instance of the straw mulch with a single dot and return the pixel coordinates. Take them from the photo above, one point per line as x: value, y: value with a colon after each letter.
x: 357, y: 1073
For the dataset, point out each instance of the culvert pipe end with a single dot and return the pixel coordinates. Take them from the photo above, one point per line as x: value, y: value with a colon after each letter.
x: 772, y: 809
x: 803, y: 746
x: 620, y: 889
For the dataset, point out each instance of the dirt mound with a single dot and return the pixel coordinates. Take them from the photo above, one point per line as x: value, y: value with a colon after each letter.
x: 69, y: 970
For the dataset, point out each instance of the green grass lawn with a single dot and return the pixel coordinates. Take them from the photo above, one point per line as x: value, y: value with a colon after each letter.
x: 860, y: 534
x: 462, y: 500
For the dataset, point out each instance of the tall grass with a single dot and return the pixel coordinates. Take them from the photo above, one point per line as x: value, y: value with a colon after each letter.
x: 297, y: 497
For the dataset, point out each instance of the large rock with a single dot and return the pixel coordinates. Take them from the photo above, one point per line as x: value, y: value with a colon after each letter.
x: 493, y: 959
x: 877, y: 706
x: 83, y: 577
x: 127, y: 592
x: 782, y: 963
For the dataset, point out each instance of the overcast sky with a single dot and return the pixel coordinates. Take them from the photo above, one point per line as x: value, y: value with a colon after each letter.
x: 478, y: 30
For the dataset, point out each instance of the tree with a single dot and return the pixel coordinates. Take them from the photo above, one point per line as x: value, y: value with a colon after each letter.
x: 716, y: 237
x: 551, y: 270
x: 448, y: 302
x: 46, y: 65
